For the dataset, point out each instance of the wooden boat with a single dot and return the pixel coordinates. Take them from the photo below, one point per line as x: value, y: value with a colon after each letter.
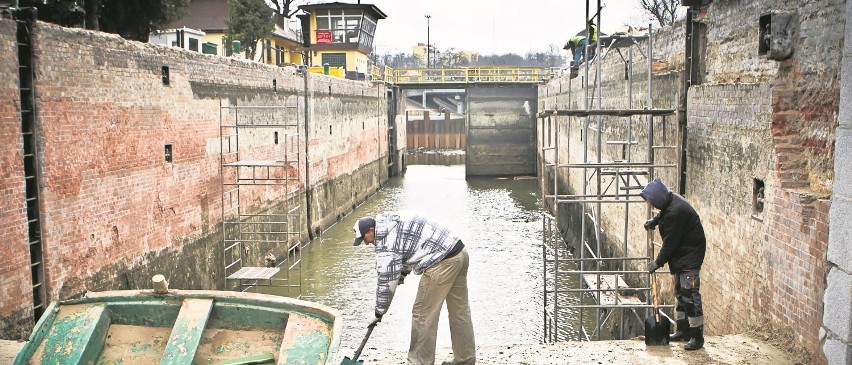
x: 183, y: 327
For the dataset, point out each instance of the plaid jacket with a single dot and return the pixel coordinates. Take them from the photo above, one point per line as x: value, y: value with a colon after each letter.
x: 406, y: 241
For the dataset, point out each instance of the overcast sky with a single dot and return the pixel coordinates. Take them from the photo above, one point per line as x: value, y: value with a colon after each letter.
x: 492, y: 26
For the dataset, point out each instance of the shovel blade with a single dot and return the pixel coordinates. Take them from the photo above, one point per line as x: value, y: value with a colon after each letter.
x: 656, y: 333
x: 348, y: 361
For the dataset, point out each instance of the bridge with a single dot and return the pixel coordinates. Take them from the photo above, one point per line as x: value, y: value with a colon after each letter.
x: 487, y: 111
x: 459, y: 77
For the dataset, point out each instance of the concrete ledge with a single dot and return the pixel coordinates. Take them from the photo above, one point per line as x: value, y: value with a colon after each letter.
x: 844, y: 117
x: 842, y: 156
x: 836, y: 352
x: 837, y: 317
x: 839, y: 246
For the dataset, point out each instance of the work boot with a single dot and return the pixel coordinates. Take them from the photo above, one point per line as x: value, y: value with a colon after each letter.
x: 682, y: 333
x: 696, y: 340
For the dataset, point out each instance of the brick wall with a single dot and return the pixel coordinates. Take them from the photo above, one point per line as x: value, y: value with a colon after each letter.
x: 110, y: 198
x: 114, y: 211
x: 15, y: 280
x: 792, y: 275
x: 751, y: 120
x: 771, y: 262
x: 727, y: 136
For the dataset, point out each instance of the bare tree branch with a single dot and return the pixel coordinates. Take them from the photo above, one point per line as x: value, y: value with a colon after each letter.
x: 282, y: 7
x: 664, y: 11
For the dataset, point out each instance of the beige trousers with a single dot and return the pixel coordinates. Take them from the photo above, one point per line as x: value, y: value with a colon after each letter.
x: 445, y: 281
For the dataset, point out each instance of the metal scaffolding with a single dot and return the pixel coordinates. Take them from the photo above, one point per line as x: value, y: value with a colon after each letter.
x: 621, y: 146
x: 261, y: 192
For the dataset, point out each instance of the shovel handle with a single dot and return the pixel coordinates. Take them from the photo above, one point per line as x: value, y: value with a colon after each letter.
x: 363, y: 342
x: 653, y: 278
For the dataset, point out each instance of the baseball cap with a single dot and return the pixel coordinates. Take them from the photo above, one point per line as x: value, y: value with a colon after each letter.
x: 362, y: 226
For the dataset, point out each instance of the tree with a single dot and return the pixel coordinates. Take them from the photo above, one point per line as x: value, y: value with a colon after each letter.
x: 93, y: 11
x: 135, y: 19
x: 250, y: 21
x: 63, y: 12
x: 131, y: 19
x: 664, y: 11
x: 400, y: 60
x: 282, y: 7
x: 448, y: 59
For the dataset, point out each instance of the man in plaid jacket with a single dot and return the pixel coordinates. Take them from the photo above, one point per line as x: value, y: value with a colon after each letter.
x: 405, y: 242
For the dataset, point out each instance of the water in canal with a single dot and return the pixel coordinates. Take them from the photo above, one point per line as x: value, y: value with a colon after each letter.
x: 500, y: 224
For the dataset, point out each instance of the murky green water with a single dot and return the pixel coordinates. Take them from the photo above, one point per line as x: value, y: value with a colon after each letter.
x: 500, y: 224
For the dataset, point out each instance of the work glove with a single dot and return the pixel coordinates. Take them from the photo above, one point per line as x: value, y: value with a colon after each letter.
x: 373, y: 321
x: 652, y: 266
x: 650, y: 225
x: 406, y: 269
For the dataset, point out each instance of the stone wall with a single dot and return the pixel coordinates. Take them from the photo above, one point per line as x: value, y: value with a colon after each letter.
x: 348, y: 139
x: 837, y: 317
x: 114, y: 211
x: 752, y: 121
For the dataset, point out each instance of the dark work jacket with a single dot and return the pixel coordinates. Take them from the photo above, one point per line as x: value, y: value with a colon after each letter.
x: 684, y: 243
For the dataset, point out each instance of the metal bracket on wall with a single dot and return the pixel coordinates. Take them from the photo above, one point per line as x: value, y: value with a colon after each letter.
x: 776, y: 35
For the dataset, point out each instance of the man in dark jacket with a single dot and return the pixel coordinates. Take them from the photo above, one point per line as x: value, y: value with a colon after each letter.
x: 683, y: 250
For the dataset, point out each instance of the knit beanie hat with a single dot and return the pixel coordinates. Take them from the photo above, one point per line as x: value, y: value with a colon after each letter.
x: 656, y: 192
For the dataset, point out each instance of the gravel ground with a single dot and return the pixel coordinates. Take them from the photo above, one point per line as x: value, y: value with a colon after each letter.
x: 8, y: 351
x: 728, y: 350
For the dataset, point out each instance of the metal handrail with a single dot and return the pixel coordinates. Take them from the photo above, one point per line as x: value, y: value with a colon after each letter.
x: 467, y: 75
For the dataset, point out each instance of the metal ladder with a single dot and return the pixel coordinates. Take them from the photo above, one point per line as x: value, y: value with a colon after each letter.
x: 25, y: 19
x: 261, y: 192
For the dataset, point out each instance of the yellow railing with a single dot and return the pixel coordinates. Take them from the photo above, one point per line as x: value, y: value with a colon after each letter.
x: 408, y: 76
x: 375, y: 73
x: 390, y: 75
x: 382, y: 73
x: 463, y: 75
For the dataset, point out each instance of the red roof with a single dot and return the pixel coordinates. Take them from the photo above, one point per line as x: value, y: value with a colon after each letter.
x: 211, y: 16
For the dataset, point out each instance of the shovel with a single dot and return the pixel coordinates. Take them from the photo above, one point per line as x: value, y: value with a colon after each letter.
x: 354, y: 360
x: 656, y: 331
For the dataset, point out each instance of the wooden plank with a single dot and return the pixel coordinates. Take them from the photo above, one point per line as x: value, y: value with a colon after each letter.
x: 76, y: 336
x: 254, y: 273
x: 306, y: 339
x: 608, y: 283
x: 187, y: 331
x: 261, y: 359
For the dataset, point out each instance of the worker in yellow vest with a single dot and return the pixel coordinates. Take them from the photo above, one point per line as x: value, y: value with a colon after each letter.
x: 578, y: 43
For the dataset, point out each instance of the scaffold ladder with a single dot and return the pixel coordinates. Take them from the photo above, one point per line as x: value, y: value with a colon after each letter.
x: 261, y: 192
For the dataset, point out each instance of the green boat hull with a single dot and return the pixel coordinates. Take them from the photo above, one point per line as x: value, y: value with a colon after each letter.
x: 183, y: 327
